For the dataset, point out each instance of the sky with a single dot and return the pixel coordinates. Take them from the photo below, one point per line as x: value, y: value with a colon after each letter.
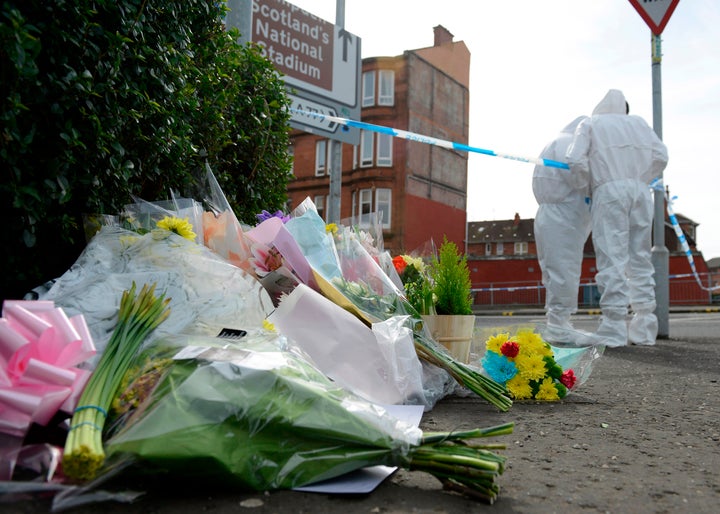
x: 536, y: 65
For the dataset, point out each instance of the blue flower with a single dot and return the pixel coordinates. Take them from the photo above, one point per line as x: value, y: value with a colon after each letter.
x: 500, y: 368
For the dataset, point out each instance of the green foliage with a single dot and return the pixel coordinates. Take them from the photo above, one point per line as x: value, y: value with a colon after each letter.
x: 451, y: 277
x: 102, y: 100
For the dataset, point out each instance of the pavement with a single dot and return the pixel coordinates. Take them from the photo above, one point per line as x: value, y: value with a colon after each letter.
x: 642, y: 435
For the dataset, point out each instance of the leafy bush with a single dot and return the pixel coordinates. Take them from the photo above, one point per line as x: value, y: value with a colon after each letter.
x: 104, y: 99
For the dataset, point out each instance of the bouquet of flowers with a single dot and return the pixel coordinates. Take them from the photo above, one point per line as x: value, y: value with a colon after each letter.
x: 526, y: 365
x: 418, y: 289
x: 255, y: 416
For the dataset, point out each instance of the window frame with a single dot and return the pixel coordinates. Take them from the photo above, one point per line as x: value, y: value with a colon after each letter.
x: 321, y: 168
x: 382, y: 191
x: 367, y: 148
x: 386, y: 88
x: 368, y: 89
x: 384, y: 159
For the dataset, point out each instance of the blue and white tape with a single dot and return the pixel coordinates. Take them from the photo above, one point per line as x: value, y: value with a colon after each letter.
x: 412, y: 136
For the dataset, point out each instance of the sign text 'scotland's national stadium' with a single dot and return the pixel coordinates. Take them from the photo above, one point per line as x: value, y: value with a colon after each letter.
x: 298, y: 43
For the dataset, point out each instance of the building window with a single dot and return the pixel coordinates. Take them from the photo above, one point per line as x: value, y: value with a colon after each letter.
x: 488, y: 248
x: 365, y: 209
x: 366, y: 148
x: 386, y: 87
x: 320, y: 205
x: 521, y: 248
x: 321, y: 157
x: 383, y: 205
x: 368, y: 89
x: 499, y: 249
x: 355, y: 157
x: 384, y: 149
x: 291, y: 153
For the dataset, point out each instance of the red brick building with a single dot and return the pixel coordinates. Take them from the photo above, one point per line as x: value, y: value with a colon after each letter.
x: 420, y: 189
x: 504, y: 269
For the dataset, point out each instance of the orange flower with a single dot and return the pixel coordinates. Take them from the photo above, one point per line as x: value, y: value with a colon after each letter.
x: 399, y: 263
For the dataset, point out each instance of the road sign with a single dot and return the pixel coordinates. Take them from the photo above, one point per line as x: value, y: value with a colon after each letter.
x: 320, y: 63
x: 313, y: 115
x: 656, y: 13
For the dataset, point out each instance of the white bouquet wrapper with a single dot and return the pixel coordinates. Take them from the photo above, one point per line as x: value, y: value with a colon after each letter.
x: 379, y: 364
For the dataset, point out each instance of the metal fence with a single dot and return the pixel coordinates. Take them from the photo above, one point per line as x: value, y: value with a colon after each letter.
x: 683, y: 290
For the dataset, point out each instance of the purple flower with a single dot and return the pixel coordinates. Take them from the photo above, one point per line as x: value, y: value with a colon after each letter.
x: 265, y: 215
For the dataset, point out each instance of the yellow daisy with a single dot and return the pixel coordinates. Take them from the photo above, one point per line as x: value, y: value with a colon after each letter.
x: 494, y: 343
x: 331, y: 228
x: 531, y: 367
x: 519, y: 388
x: 547, y: 391
x: 181, y: 227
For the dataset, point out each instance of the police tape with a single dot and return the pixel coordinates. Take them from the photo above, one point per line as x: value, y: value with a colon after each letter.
x: 412, y: 136
x: 657, y: 184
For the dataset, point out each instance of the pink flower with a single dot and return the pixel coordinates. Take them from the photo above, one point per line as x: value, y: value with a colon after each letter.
x: 510, y: 349
x: 568, y: 378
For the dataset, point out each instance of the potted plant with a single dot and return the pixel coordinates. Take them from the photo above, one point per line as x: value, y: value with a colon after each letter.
x: 453, y: 322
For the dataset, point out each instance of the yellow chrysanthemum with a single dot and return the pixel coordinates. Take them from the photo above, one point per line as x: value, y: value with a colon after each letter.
x: 414, y: 261
x: 494, y: 343
x: 532, y: 344
x: 531, y: 367
x: 519, y: 388
x: 331, y: 228
x: 547, y: 391
x: 268, y: 326
x: 181, y: 226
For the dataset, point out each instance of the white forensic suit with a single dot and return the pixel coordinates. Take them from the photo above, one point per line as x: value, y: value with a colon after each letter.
x: 562, y: 225
x: 621, y: 154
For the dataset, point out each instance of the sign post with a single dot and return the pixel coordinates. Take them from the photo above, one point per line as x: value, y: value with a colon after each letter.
x: 656, y: 14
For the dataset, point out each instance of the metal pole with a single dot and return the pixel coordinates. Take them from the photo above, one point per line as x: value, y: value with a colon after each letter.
x: 660, y: 254
x: 336, y: 146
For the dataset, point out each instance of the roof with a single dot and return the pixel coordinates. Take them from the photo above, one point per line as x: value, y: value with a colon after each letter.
x: 501, y: 231
x: 713, y: 263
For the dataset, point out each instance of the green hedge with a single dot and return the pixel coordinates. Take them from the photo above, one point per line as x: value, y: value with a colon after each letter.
x: 104, y: 99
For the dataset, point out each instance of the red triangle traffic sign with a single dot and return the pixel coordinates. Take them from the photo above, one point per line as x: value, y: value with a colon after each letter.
x: 656, y: 13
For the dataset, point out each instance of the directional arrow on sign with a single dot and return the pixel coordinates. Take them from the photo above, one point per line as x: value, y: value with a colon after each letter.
x: 312, y: 114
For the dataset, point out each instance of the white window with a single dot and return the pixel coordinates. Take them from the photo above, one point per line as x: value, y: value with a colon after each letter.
x: 368, y: 88
x: 386, y: 87
x: 291, y: 153
x: 499, y: 249
x: 365, y: 207
x: 319, y: 201
x: 321, y: 157
x: 384, y: 149
x: 488, y: 248
x: 369, y: 202
x: 383, y: 205
x: 366, y: 148
x: 521, y: 248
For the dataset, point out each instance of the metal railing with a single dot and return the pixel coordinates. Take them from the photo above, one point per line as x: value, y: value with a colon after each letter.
x: 683, y: 290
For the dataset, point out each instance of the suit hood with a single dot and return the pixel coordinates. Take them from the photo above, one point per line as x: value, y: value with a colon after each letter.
x: 612, y: 103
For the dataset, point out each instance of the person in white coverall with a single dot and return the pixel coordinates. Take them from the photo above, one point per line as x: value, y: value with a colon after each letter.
x: 622, y: 155
x: 562, y: 225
